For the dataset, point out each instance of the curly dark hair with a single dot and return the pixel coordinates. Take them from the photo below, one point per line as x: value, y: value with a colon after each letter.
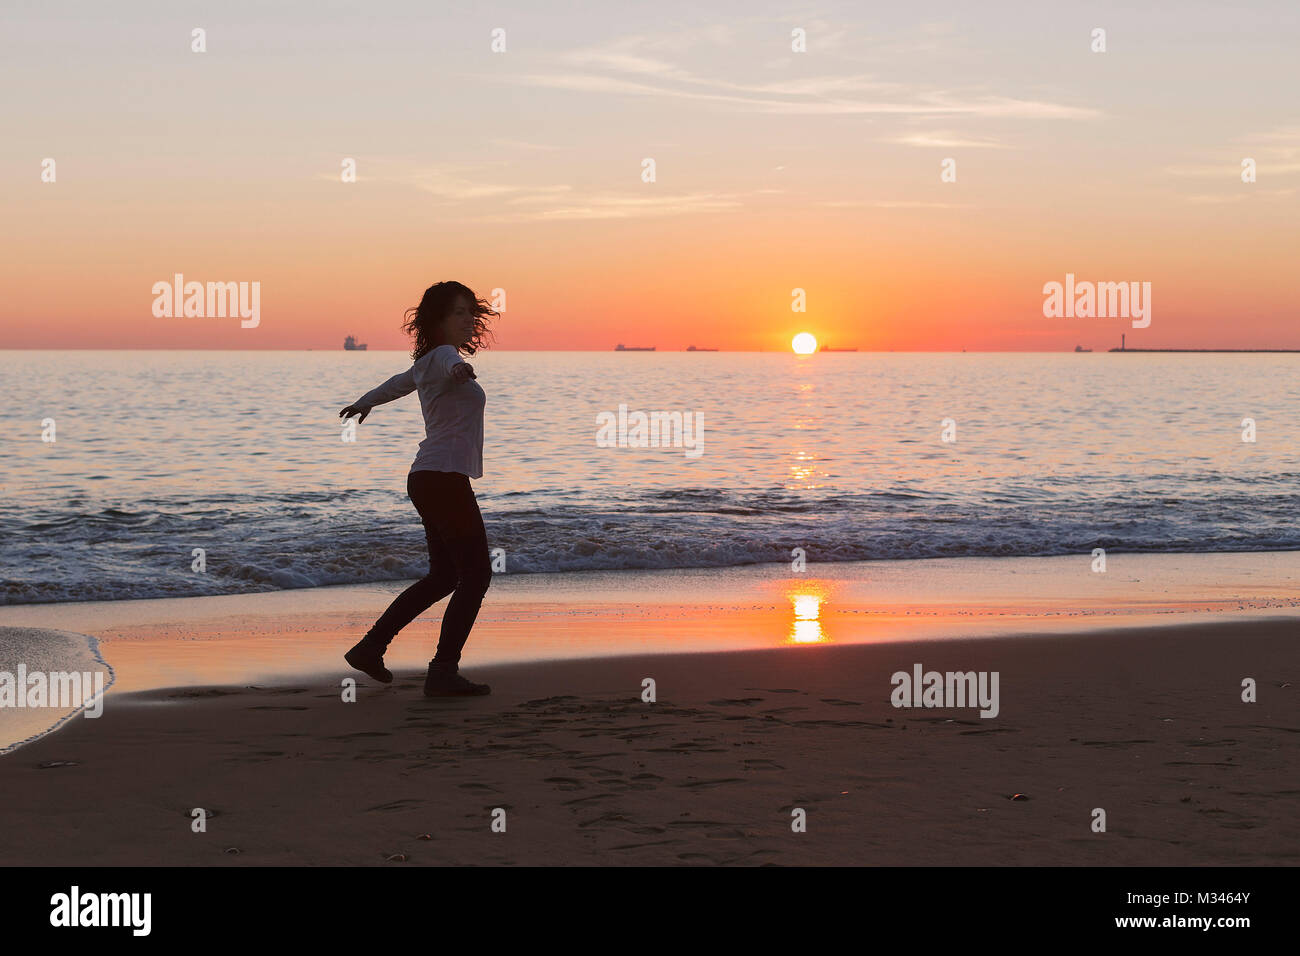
x: 435, y: 305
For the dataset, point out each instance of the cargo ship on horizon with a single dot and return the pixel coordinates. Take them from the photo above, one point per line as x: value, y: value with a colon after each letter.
x: 1124, y: 348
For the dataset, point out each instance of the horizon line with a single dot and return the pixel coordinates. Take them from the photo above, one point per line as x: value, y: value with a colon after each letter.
x: 685, y: 351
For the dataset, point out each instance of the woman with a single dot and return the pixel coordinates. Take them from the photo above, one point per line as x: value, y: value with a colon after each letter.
x: 449, y: 320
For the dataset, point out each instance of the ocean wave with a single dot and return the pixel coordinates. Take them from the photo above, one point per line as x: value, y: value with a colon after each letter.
x: 262, y: 543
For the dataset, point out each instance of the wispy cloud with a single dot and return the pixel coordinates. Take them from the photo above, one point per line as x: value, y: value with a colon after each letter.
x: 1240, y: 195
x: 944, y: 140
x: 1275, y: 152
x: 812, y: 101
x: 1231, y: 170
x: 457, y: 187
x: 637, y: 66
x: 446, y: 183
x: 1285, y: 141
x: 614, y: 206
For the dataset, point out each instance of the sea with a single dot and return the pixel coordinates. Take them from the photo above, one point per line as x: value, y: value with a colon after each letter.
x: 143, y: 474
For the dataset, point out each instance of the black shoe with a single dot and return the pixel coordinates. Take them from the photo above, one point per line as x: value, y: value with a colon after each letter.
x: 443, y: 680
x: 368, y: 657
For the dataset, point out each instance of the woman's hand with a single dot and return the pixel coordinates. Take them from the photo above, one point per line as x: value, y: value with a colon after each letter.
x: 462, y: 373
x: 362, y: 410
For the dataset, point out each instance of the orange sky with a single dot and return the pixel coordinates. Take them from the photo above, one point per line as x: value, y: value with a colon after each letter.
x: 775, y: 170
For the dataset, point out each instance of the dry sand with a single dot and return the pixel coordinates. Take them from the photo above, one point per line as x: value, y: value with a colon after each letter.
x: 1147, y: 724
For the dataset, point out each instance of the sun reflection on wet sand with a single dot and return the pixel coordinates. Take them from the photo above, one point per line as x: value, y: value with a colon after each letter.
x: 806, y: 628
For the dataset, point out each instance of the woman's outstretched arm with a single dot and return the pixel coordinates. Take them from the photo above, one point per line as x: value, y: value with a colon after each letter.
x: 400, y: 384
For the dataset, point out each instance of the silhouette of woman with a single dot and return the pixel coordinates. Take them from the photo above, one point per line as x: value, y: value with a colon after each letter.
x: 449, y: 320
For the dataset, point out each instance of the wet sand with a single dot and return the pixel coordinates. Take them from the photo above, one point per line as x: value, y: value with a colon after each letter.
x: 280, y: 635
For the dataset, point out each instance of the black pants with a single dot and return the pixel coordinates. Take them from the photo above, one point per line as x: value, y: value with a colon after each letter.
x: 459, y: 563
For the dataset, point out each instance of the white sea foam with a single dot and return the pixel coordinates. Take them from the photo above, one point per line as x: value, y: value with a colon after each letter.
x: 27, y: 653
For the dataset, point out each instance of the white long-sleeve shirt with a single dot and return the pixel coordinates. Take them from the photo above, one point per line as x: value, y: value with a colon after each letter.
x: 453, y: 414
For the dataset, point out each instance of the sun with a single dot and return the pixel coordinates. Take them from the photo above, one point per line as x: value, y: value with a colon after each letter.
x: 805, y: 343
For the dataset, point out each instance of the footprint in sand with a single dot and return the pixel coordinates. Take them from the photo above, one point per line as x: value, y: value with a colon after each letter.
x: 731, y: 833
x: 406, y: 803
x: 696, y: 823
x: 683, y: 747
x: 1115, y: 743
x: 605, y: 819
x: 277, y: 707
x: 581, y: 800
x: 701, y: 784
x: 638, y: 846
